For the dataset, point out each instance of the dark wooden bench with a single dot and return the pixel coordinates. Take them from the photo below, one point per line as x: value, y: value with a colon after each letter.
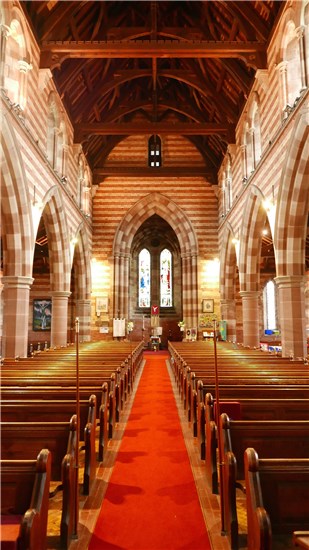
x: 249, y: 409
x: 24, y: 502
x: 20, y: 440
x: 106, y: 402
x: 301, y: 539
x: 270, y: 438
x: 60, y: 411
x: 277, y: 497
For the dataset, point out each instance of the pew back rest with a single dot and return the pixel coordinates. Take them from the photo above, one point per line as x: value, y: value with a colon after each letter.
x: 270, y: 438
x: 24, y: 439
x: 277, y: 494
x: 25, y: 492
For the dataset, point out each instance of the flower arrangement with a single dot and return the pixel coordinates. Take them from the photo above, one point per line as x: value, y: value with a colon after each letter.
x: 130, y: 326
x: 181, y: 325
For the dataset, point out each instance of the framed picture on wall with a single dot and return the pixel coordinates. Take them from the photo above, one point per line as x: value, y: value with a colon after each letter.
x: 42, y: 312
x: 208, y: 305
x: 101, y: 304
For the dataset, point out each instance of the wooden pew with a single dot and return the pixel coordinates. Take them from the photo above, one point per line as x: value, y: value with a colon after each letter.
x: 277, y: 496
x: 106, y: 403
x: 247, y: 409
x: 20, y: 440
x: 60, y: 411
x: 301, y: 539
x: 24, y: 502
x: 271, y: 439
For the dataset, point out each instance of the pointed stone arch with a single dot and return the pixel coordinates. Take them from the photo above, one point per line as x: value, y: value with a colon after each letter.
x: 290, y: 241
x: 228, y: 272
x: 55, y: 222
x: 249, y: 269
x: 228, y: 262
x: 293, y: 203
x: 81, y: 298
x: 17, y: 239
x: 15, y: 212
x: 250, y: 243
x: 156, y: 203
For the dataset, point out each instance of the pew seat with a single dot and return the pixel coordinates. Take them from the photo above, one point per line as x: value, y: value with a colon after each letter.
x: 19, y: 440
x: 277, y: 496
x: 24, y: 502
x: 301, y: 539
x: 271, y: 439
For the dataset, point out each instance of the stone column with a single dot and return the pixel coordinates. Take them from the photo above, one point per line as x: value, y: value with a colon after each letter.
x: 126, y: 289
x: 250, y: 315
x: 16, y: 293
x: 194, y: 292
x: 59, y: 322
x: 291, y: 300
x: 116, y: 287
x: 300, y: 31
x: 186, y: 291
x: 243, y: 149
x: 228, y: 314
x: 83, y: 312
x: 283, y: 83
x: 4, y: 33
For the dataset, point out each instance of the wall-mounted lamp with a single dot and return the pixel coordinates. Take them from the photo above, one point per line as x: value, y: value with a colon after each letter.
x: 235, y: 239
x: 36, y: 203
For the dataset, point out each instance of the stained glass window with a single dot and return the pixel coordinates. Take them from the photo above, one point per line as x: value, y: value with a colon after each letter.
x: 166, y: 278
x: 144, y: 278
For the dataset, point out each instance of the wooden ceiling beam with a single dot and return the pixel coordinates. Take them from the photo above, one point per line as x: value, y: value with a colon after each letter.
x: 60, y: 14
x: 144, y: 171
x: 84, y: 130
x: 54, y: 53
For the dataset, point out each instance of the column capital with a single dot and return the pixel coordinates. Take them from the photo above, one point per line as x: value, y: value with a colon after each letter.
x: 290, y: 280
x: 227, y: 301
x: 24, y: 66
x: 60, y: 294
x: 16, y: 281
x: 300, y: 31
x: 250, y: 293
x: 282, y: 67
x: 262, y: 78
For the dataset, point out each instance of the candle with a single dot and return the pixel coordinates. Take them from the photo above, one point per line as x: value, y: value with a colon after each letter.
x: 143, y: 323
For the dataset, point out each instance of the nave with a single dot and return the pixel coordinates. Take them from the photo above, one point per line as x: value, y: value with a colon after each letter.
x: 280, y: 389
x: 90, y: 508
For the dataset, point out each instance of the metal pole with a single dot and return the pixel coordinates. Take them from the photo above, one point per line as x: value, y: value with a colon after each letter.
x: 220, y: 451
x: 77, y: 431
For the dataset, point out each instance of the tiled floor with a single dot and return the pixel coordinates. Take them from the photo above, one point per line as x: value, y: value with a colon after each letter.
x: 90, y: 506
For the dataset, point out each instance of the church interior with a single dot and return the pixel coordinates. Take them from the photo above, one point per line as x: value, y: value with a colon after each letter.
x: 154, y: 227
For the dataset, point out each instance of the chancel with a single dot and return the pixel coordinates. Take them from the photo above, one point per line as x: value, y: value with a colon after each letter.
x: 154, y: 187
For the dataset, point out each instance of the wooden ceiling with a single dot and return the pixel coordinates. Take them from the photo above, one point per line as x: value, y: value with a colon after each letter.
x: 181, y: 68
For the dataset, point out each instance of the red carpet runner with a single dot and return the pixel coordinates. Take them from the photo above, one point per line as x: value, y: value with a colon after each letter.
x: 151, y: 502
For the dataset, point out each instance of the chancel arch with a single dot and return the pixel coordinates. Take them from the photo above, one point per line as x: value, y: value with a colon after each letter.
x: 168, y: 210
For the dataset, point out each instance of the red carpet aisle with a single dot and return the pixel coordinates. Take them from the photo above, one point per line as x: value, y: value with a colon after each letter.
x: 151, y: 502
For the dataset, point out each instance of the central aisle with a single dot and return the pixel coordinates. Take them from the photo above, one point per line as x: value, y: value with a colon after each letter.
x: 151, y: 502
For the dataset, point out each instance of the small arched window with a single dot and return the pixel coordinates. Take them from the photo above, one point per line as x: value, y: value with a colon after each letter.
x: 144, y: 278
x: 270, y: 309
x: 154, y: 152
